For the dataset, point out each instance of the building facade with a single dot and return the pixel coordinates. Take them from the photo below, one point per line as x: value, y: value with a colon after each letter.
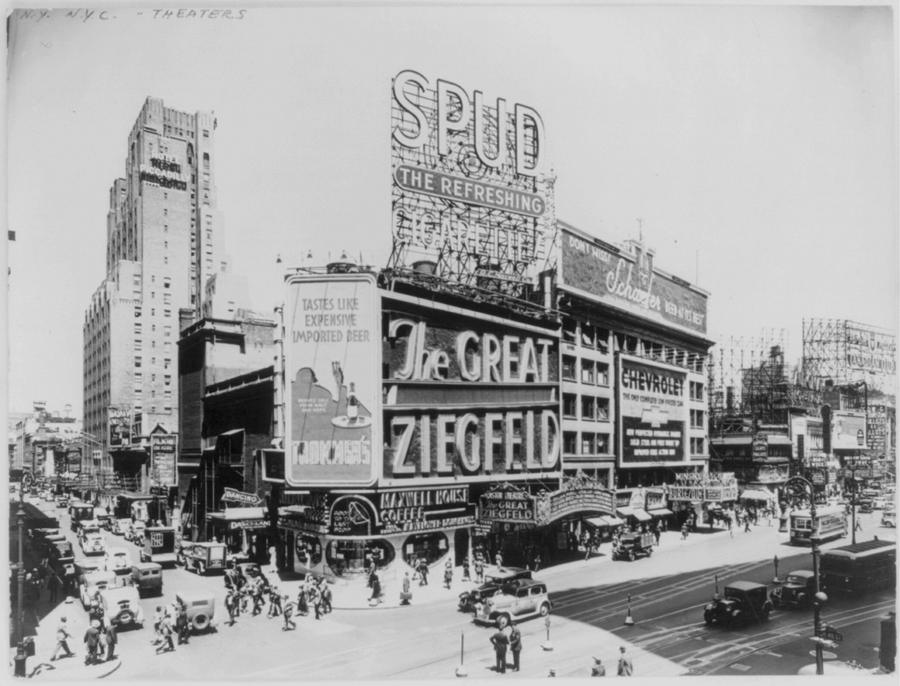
x: 163, y: 242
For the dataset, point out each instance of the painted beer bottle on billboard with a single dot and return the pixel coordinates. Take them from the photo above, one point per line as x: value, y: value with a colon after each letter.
x: 331, y: 380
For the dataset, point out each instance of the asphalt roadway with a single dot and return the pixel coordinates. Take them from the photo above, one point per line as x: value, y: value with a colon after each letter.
x: 430, y: 639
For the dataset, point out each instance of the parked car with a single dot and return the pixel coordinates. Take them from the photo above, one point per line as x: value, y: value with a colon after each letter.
x: 798, y: 590
x: 118, y: 560
x: 528, y: 599
x: 147, y: 578
x: 120, y: 527
x: 122, y: 606
x: 137, y: 528
x: 744, y: 601
x: 632, y: 545
x: 94, y: 581
x: 865, y: 506
x: 201, y: 608
x: 93, y: 544
x: 889, y: 519
x: 509, y: 576
x: 878, y: 503
x: 201, y: 557
x: 105, y: 521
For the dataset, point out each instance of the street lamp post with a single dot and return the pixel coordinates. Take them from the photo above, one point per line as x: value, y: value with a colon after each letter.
x: 21, y: 658
x: 793, y: 484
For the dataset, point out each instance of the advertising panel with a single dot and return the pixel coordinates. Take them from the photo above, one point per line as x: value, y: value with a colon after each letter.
x: 653, y: 413
x: 425, y: 509
x: 505, y: 502
x: 869, y: 350
x: 577, y: 495
x: 876, y: 427
x: 629, y: 282
x: 468, y: 400
x: 848, y: 430
x: 163, y: 448
x: 468, y: 186
x: 120, y: 422
x: 332, y: 384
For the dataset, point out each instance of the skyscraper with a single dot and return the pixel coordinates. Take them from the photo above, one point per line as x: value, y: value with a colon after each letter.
x: 163, y: 243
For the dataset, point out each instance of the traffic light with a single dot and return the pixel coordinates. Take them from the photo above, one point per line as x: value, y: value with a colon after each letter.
x: 826, y: 429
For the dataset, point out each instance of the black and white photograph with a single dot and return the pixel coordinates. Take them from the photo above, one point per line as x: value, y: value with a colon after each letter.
x: 397, y: 342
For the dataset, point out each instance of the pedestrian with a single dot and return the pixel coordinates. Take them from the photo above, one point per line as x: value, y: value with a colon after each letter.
x: 684, y: 531
x: 858, y: 525
x: 423, y: 572
x: 54, y: 584
x: 288, y: 614
x: 448, y: 574
x: 479, y: 569
x: 302, y: 601
x: 166, y: 632
x: 406, y: 594
x: 537, y: 562
x: 257, y: 595
x: 625, y: 667
x: 62, y: 640
x: 466, y: 576
x: 586, y: 539
x: 326, y: 597
x: 598, y: 669
x: 656, y: 535
x: 747, y: 524
x: 92, y: 641
x: 274, y: 602
x: 500, y: 643
x: 515, y: 644
x: 317, y: 602
x: 375, y: 599
x: 231, y: 604
x: 499, y: 560
x: 112, y: 638
x: 182, y: 624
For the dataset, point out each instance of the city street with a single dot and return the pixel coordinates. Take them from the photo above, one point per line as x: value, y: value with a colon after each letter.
x: 668, y: 591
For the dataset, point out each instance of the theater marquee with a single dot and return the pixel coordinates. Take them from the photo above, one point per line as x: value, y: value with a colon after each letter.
x: 653, y: 413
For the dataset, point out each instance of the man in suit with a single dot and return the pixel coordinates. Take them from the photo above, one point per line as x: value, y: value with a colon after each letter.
x: 625, y: 667
x: 598, y: 669
x: 112, y: 639
x: 92, y: 641
x: 515, y: 644
x: 500, y: 642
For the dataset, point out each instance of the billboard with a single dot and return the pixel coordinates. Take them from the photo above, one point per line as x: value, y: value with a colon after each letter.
x: 848, y: 430
x: 468, y: 185
x: 163, y: 448
x: 870, y: 350
x: 652, y: 413
x: 332, y: 398
x: 629, y: 281
x: 468, y: 399
x: 119, y: 426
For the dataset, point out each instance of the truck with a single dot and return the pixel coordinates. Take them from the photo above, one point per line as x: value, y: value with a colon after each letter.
x: 159, y: 545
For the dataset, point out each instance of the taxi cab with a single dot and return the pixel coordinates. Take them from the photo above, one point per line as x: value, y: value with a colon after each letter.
x: 529, y: 599
x: 92, y: 582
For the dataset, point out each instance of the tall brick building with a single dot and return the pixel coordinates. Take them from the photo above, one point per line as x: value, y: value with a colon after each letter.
x: 163, y: 243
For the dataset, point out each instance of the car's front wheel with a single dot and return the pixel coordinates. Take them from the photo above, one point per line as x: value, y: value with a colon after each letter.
x: 503, y: 621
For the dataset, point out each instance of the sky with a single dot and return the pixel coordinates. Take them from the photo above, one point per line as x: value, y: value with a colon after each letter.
x: 756, y: 144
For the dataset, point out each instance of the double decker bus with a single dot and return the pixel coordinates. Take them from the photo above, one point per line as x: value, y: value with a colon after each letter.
x: 831, y: 521
x: 860, y: 567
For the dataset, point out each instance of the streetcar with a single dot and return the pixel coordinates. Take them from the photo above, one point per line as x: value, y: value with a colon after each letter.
x: 831, y: 521
x: 859, y: 567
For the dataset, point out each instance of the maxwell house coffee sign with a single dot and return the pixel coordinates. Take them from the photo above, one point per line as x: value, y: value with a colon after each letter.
x: 653, y: 413
x: 332, y: 395
x: 630, y: 282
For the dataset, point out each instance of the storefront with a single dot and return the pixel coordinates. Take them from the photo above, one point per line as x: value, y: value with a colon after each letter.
x: 704, y: 496
x: 244, y: 531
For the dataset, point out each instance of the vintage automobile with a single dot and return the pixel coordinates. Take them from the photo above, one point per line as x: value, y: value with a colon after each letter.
x: 744, y: 601
x: 78, y: 512
x: 147, y: 578
x: 62, y: 501
x: 889, y: 519
x: 528, y: 599
x: 878, y: 503
x: 201, y: 557
x: 90, y: 583
x: 118, y: 560
x: 59, y: 549
x: 493, y: 582
x: 120, y: 527
x: 105, y: 521
x: 201, y: 608
x: 87, y: 526
x: 93, y: 544
x: 122, y: 606
x: 251, y: 570
x: 798, y: 590
x: 633, y: 544
x: 159, y: 545
x: 137, y: 529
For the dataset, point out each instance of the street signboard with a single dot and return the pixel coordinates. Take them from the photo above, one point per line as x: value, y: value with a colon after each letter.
x: 818, y: 478
x: 829, y: 633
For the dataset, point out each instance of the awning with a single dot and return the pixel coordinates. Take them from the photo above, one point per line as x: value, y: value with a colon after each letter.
x: 751, y: 494
x: 233, y: 514
x: 778, y: 440
x: 661, y: 512
x: 34, y: 517
x: 636, y: 512
x: 604, y: 521
x: 732, y: 440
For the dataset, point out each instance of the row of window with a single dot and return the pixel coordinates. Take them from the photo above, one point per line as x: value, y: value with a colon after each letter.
x: 592, y: 409
x: 589, y: 371
x: 589, y: 443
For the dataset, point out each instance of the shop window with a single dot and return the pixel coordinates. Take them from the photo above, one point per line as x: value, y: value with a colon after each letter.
x: 568, y: 368
x: 570, y: 405
x: 309, y: 550
x: 587, y: 371
x: 351, y: 557
x: 428, y: 546
x: 570, y: 442
x: 588, y: 407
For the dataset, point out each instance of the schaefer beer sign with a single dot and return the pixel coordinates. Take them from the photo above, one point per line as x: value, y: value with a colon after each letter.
x: 332, y: 394
x: 653, y: 413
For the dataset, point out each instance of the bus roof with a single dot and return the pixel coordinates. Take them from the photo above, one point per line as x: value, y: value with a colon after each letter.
x: 823, y: 510
x: 860, y: 549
